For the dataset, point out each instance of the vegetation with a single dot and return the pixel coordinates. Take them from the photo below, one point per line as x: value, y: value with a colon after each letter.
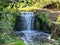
x: 10, y: 10
x: 46, y: 24
x: 16, y: 43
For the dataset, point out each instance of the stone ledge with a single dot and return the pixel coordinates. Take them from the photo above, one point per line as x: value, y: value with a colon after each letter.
x: 51, y: 14
x: 55, y: 22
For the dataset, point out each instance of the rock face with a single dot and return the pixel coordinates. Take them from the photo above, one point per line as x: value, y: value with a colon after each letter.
x: 50, y: 13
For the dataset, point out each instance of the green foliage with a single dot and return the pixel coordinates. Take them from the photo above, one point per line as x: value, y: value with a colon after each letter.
x: 28, y: 4
x: 16, y: 42
x: 19, y: 42
x: 23, y: 4
x: 42, y: 15
x: 5, y: 36
x: 58, y: 18
x: 58, y: 26
x: 57, y: 4
x: 8, y: 16
x: 7, y: 23
x: 20, y: 4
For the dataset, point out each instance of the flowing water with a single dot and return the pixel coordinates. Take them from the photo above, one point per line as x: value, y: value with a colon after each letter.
x: 30, y: 36
x: 27, y: 20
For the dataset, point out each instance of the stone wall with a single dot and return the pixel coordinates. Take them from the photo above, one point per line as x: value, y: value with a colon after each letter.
x: 52, y: 14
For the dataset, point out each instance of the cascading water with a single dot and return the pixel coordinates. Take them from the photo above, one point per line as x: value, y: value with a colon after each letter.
x: 27, y: 20
x: 31, y: 36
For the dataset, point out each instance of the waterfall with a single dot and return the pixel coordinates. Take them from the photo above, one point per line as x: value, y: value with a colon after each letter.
x: 27, y: 20
x: 28, y: 34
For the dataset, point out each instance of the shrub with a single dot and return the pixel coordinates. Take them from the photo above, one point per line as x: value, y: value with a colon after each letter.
x: 43, y: 22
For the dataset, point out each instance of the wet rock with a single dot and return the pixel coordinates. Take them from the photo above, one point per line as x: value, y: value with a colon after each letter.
x: 41, y: 37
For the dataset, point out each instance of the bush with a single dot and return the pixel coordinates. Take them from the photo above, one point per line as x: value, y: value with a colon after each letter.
x: 7, y: 22
x: 43, y: 23
x: 58, y: 26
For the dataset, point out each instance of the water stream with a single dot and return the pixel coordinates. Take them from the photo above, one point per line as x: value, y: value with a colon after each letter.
x: 30, y: 36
